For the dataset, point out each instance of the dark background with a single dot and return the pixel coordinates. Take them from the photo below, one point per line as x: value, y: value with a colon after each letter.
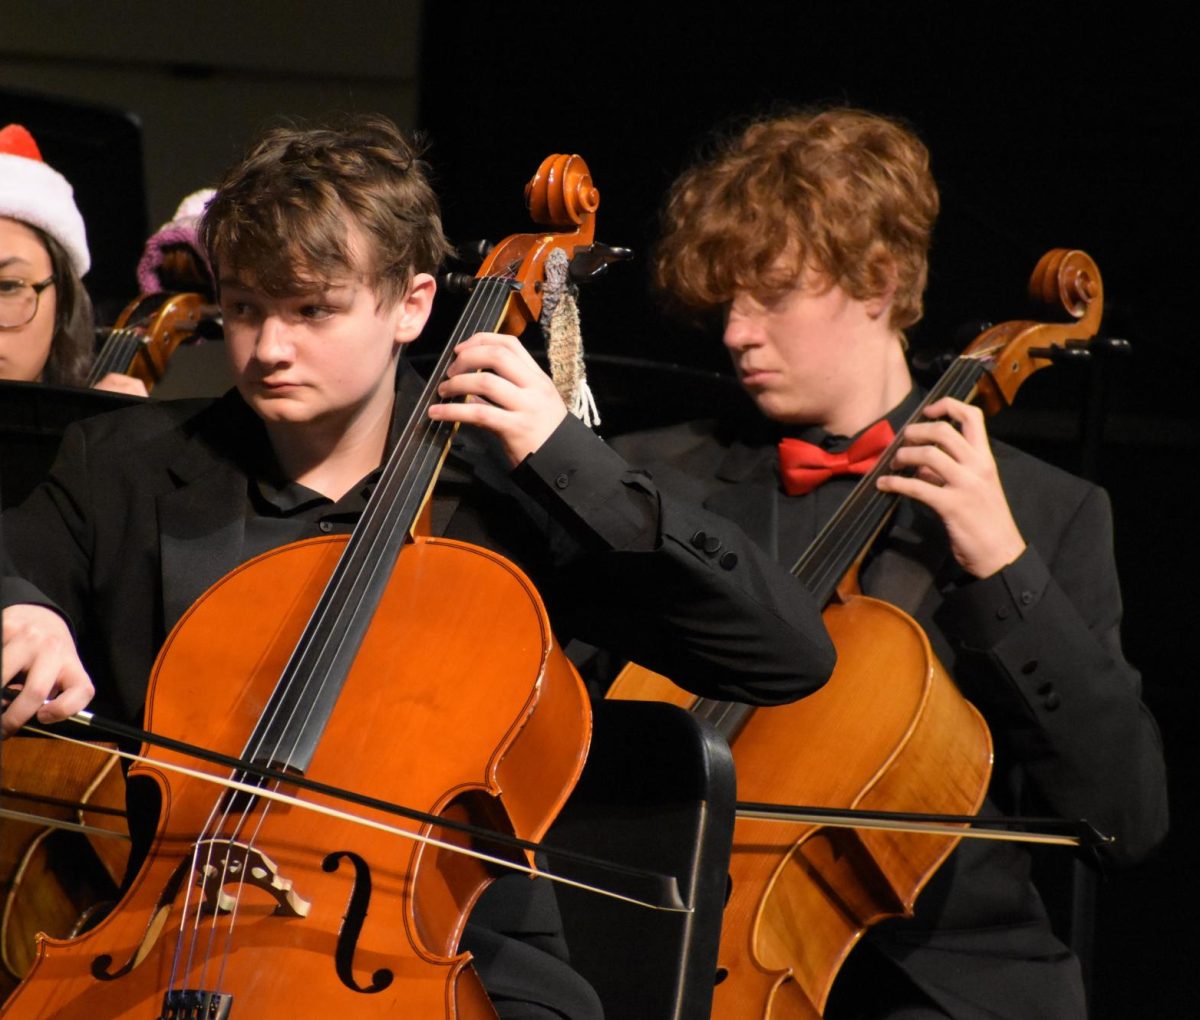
x: 1049, y: 127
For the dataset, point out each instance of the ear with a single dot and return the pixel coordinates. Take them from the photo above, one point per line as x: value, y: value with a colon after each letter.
x: 412, y: 310
x: 880, y: 305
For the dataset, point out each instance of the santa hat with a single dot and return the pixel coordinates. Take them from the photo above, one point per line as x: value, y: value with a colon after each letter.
x: 32, y: 192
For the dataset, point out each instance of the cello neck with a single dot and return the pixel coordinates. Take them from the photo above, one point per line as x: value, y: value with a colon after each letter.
x: 845, y: 539
x: 286, y: 736
x: 848, y: 534
x: 994, y: 367
x: 507, y: 296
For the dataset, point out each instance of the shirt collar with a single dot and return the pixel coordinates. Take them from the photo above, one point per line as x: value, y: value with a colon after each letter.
x: 897, y: 417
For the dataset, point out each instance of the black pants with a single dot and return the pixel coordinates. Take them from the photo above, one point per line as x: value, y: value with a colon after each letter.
x: 871, y: 987
x: 515, y: 936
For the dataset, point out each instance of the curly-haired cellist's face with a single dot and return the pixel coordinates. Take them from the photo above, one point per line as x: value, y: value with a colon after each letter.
x: 813, y: 355
x: 24, y: 260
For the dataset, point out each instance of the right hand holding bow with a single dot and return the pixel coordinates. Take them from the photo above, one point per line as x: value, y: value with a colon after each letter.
x: 54, y: 685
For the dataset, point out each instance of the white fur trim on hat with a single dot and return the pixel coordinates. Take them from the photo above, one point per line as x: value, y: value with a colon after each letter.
x: 34, y: 193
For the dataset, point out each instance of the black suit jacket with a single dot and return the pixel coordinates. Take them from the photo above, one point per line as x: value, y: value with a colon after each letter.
x: 145, y: 508
x: 1036, y: 648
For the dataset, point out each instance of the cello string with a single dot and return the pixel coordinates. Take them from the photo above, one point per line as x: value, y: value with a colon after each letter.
x: 360, y: 564
x: 865, y: 497
x: 334, y: 599
x: 292, y: 690
x: 418, y: 431
x: 365, y: 557
x: 829, y: 556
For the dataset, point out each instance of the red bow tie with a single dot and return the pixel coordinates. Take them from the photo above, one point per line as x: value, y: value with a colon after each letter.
x: 803, y: 466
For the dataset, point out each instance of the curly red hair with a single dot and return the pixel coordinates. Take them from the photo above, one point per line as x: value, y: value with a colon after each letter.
x: 844, y: 193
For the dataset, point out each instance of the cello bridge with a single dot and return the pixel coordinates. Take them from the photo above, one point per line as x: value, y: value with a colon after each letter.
x: 223, y: 862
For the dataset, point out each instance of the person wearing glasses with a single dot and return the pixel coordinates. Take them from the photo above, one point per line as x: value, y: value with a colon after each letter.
x: 47, y: 332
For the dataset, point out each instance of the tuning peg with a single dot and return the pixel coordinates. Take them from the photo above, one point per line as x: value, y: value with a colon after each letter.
x: 459, y: 284
x: 1081, y: 350
x: 1072, y: 350
x: 593, y: 260
x: 1112, y: 345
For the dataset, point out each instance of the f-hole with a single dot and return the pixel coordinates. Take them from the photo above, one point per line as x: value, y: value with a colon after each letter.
x: 356, y: 914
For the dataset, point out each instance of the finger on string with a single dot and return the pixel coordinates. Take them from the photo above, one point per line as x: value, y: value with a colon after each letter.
x: 487, y: 386
x: 472, y: 412
x: 912, y: 487
x: 930, y: 462
x: 19, y: 706
x: 964, y: 418
x: 941, y: 434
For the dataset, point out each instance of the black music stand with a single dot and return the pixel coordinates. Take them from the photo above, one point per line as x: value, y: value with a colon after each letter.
x: 32, y: 419
x: 657, y: 793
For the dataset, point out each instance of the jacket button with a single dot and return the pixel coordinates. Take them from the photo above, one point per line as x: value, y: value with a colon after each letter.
x: 1052, y: 701
x: 1003, y: 613
x: 325, y: 526
x: 562, y: 480
x: 1027, y: 598
x: 728, y: 561
x: 712, y: 545
x: 1029, y: 667
x: 698, y: 539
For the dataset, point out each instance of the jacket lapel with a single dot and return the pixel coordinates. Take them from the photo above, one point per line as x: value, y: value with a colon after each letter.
x: 202, y: 521
x: 747, y: 496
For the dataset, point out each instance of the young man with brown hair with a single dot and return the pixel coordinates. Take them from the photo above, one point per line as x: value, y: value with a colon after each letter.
x: 324, y: 243
x: 808, y: 233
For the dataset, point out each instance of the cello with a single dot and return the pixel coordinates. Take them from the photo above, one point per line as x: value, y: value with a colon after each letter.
x: 146, y: 334
x: 329, y: 646
x: 64, y: 845
x: 802, y: 894
x: 38, y: 891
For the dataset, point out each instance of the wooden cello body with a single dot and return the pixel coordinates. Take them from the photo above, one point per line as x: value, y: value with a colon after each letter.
x: 323, y: 917
x: 888, y: 732
x: 54, y: 879
x: 416, y: 671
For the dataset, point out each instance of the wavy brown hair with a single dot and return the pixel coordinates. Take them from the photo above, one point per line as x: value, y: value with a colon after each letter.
x: 842, y: 192
x: 279, y: 214
x: 74, y: 340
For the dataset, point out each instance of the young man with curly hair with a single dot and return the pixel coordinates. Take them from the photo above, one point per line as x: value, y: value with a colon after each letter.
x: 808, y: 233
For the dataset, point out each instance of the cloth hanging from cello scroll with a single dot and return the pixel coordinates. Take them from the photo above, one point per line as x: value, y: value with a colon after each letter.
x: 560, y: 322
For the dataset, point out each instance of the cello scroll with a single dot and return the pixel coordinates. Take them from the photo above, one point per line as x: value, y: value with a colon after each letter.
x: 1064, y: 280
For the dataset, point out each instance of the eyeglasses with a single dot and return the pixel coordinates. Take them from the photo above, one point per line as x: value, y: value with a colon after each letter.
x: 19, y: 300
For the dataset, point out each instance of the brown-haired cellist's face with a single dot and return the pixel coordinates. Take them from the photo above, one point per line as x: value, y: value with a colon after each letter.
x: 23, y: 261
x: 323, y: 354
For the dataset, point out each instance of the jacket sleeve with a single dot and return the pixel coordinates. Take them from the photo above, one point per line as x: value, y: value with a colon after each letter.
x: 1040, y: 654
x: 47, y: 538
x: 670, y: 585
